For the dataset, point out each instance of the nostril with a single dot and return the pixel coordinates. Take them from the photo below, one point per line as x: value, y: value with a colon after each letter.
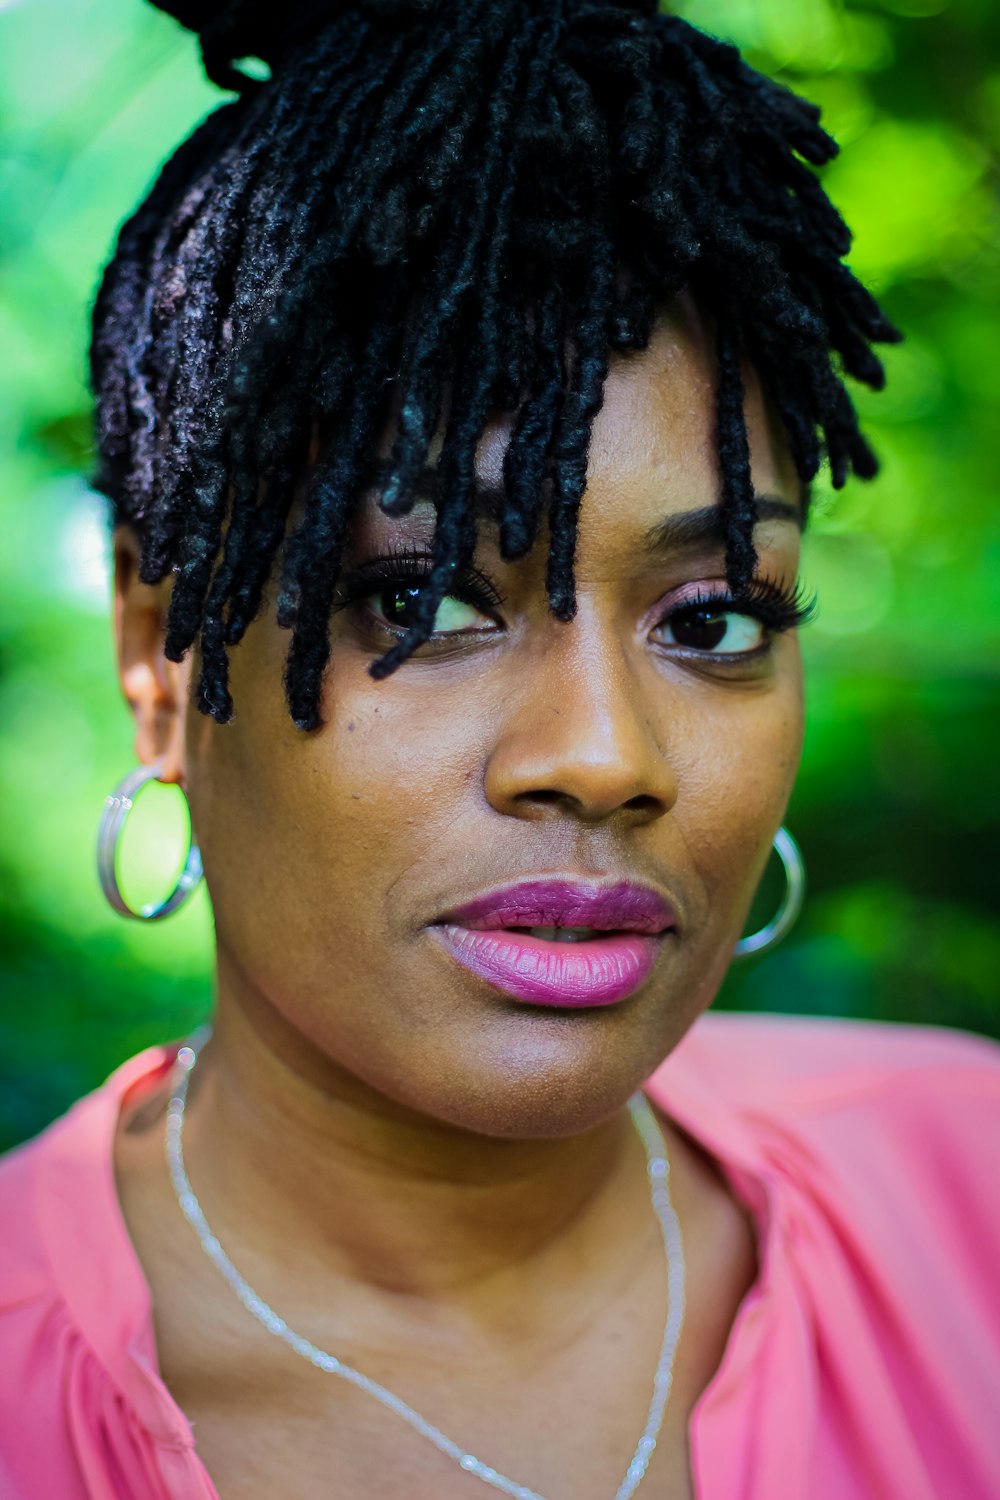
x: 648, y: 806
x: 544, y: 798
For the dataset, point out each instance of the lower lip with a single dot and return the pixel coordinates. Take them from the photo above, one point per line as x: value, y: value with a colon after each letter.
x: 598, y: 971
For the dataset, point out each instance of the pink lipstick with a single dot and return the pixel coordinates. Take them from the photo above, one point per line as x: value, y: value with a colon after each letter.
x: 560, y: 942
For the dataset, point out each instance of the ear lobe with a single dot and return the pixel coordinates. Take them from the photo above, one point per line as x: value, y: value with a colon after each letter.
x: 156, y: 689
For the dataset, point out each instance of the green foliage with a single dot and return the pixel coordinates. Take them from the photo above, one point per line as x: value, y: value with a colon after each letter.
x: 898, y: 805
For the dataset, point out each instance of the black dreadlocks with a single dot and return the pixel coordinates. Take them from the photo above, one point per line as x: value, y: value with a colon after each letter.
x: 436, y: 209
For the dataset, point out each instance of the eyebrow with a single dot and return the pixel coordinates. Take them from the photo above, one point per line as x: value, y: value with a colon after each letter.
x: 689, y: 528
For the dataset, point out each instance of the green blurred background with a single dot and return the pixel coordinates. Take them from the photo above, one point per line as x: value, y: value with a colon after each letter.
x: 898, y: 804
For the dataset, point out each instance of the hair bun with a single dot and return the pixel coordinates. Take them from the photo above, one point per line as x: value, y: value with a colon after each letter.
x: 231, y: 29
x: 250, y: 28
x: 264, y: 29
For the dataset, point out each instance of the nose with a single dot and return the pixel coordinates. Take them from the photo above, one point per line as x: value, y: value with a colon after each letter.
x: 576, y: 740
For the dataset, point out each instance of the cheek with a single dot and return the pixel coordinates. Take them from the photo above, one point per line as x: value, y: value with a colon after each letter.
x: 309, y: 841
x: 398, y: 763
x: 736, y: 769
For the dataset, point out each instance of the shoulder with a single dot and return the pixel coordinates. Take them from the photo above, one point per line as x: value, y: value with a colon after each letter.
x: 866, y: 1153
x: 74, y: 1316
x: 41, y: 1344
x: 883, y: 1128
x: 60, y: 1185
x: 25, y: 1273
x: 809, y: 1062
x: 845, y: 1085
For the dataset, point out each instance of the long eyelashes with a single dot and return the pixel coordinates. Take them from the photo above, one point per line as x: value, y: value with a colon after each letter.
x: 408, y: 565
x: 779, y: 607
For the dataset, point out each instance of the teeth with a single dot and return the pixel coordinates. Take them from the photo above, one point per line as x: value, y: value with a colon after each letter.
x: 563, y: 934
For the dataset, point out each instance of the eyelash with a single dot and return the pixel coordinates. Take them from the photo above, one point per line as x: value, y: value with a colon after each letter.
x: 779, y: 608
x: 409, y: 565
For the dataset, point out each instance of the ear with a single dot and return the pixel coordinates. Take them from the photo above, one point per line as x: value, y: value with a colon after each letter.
x: 157, y: 690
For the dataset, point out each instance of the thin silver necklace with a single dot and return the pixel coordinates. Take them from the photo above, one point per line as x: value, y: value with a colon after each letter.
x: 658, y: 1171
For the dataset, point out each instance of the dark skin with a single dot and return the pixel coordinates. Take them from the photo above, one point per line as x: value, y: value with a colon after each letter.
x: 436, y: 1182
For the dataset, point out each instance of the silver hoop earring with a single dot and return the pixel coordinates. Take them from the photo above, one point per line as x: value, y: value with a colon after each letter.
x: 790, y: 855
x: 117, y: 807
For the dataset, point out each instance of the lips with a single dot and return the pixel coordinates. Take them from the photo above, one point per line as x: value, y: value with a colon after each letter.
x: 560, y: 943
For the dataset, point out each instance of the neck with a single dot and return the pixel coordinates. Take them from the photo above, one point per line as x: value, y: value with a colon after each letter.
x: 286, y: 1149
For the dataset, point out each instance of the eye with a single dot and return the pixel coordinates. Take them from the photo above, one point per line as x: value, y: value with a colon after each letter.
x: 711, y: 621
x: 713, y: 628
x: 385, y: 594
x: 398, y: 606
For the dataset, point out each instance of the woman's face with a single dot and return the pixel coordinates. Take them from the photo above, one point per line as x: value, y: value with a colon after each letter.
x: 637, y: 745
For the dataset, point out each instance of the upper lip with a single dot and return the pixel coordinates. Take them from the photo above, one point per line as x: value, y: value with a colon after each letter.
x: 622, y: 906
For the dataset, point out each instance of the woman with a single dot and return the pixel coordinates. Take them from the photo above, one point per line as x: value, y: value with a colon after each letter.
x: 403, y: 1223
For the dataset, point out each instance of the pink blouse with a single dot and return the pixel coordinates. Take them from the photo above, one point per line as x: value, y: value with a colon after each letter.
x: 864, y: 1363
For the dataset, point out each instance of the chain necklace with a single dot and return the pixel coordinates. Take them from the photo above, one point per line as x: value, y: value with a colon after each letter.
x: 658, y: 1171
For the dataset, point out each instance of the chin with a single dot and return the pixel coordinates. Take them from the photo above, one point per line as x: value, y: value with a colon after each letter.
x: 534, y: 1073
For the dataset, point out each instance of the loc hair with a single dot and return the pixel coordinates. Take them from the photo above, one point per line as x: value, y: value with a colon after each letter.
x: 433, y: 210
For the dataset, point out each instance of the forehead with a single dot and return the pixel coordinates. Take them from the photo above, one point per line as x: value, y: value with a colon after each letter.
x: 654, y: 447
x: 653, y: 450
